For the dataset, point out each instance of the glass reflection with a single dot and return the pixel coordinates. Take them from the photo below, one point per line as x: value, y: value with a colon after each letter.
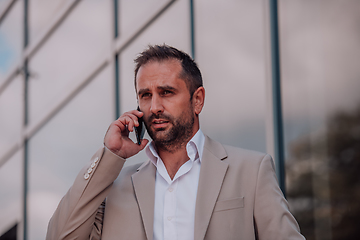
x: 135, y: 13
x: 65, y: 58
x: 10, y: 40
x: 11, y: 114
x: 230, y: 52
x: 63, y: 146
x: 170, y: 28
x: 322, y: 113
x: 41, y: 13
x: 11, y: 186
x: 3, y: 4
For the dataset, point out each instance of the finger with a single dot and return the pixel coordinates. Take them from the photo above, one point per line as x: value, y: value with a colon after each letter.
x: 130, y: 122
x: 134, y: 118
x: 126, y: 122
x: 119, y: 124
x: 134, y: 114
x: 137, y: 113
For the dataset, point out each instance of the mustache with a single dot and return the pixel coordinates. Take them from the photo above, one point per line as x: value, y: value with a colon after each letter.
x: 159, y: 116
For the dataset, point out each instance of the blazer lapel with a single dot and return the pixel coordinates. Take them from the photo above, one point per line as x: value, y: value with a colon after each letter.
x: 144, y: 186
x: 212, y: 174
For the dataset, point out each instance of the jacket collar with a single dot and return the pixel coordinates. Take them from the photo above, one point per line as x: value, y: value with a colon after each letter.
x: 212, y: 174
x: 144, y: 187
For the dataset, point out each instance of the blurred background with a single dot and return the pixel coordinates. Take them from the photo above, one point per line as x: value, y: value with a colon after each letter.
x: 66, y: 72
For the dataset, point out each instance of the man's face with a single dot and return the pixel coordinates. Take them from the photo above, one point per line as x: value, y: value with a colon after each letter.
x: 165, y: 101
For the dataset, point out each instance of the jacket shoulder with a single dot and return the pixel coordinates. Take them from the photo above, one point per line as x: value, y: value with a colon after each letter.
x: 242, y: 153
x: 231, y: 153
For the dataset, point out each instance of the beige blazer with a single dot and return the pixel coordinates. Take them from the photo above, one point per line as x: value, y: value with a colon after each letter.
x: 238, y: 198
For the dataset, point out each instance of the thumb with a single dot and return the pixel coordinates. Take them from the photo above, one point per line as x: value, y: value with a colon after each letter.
x: 143, y: 144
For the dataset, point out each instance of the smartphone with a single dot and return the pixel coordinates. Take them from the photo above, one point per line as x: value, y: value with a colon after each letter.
x: 140, y: 130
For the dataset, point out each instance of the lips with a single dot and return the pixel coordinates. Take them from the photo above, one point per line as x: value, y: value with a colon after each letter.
x: 159, y: 123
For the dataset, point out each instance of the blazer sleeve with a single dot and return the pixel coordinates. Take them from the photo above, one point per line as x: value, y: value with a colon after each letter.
x: 273, y: 219
x: 79, y: 213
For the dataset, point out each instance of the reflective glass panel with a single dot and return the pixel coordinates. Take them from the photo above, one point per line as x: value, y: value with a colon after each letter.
x: 172, y: 28
x: 3, y: 4
x: 320, y: 52
x: 11, y: 186
x: 135, y: 13
x: 231, y: 55
x: 63, y: 146
x: 11, y: 40
x: 11, y: 114
x: 66, y: 57
x: 41, y: 12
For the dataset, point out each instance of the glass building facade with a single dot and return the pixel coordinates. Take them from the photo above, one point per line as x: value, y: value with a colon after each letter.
x: 66, y: 72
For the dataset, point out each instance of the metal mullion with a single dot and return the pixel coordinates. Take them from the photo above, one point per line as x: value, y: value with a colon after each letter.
x: 115, y: 59
x: 25, y: 120
x: 276, y: 93
x: 117, y: 86
x: 26, y: 23
x: 26, y: 157
x: 116, y: 18
x: 192, y: 28
x: 26, y: 94
x: 25, y: 187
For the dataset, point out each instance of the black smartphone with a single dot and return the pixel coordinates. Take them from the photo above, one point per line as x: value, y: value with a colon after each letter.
x: 140, y: 130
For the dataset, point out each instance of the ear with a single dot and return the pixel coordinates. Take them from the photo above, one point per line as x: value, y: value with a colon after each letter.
x: 198, y: 100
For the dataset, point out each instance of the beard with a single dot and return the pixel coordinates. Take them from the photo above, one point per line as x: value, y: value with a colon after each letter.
x: 177, y: 135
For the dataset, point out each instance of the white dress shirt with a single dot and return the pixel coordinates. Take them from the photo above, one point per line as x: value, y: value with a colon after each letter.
x: 174, y: 209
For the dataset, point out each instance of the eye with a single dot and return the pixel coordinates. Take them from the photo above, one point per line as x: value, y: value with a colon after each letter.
x: 145, y: 95
x: 166, y: 92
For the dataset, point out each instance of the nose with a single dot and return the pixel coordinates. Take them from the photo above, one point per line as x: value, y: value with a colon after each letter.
x: 156, y: 105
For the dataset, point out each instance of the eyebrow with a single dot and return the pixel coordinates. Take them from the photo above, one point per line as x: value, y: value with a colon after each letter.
x: 166, y: 87
x: 141, y: 91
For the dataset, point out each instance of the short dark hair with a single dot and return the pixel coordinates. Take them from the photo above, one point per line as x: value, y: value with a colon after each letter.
x: 190, y: 72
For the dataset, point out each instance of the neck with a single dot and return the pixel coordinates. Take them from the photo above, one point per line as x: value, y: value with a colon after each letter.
x: 173, y: 160
x: 175, y: 155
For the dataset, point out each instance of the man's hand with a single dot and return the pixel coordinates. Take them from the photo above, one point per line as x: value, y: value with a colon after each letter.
x: 117, y: 136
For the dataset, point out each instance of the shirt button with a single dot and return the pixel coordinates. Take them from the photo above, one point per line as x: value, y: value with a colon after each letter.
x: 93, y: 165
x: 171, y: 189
x: 96, y: 160
x: 169, y: 218
x: 89, y: 170
x: 86, y: 176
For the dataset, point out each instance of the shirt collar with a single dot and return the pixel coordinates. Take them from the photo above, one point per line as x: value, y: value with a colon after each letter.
x: 194, y: 148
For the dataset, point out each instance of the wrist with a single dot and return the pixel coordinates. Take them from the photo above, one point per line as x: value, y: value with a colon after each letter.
x: 114, y: 152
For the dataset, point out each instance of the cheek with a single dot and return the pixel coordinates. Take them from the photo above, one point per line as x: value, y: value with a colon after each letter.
x: 179, y: 109
x: 144, y: 106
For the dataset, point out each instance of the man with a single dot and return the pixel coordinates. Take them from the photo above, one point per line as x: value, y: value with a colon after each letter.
x: 191, y: 187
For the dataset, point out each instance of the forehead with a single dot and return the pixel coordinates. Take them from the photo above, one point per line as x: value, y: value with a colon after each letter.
x: 158, y: 72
